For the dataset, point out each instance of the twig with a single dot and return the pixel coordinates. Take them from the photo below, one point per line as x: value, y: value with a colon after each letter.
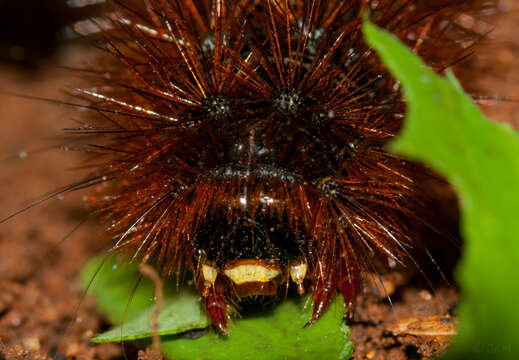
x: 154, y: 276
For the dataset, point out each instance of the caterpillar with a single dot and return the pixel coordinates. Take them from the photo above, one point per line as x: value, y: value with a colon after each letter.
x: 242, y: 141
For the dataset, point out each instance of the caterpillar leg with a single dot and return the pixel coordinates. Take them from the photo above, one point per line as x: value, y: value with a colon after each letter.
x: 214, y: 299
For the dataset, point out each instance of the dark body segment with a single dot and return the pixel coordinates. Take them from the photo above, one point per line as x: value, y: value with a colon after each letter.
x: 244, y: 141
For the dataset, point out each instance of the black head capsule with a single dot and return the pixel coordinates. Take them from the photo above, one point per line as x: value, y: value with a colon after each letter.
x: 254, y: 250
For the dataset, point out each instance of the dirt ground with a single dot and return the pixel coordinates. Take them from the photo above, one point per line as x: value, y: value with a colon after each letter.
x: 39, y: 295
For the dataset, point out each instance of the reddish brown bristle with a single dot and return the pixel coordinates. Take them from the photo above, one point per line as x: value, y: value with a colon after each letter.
x: 266, y: 119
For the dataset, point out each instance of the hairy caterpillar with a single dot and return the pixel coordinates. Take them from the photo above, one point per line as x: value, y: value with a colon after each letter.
x: 275, y: 122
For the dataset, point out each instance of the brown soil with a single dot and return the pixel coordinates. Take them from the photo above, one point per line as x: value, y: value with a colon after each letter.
x: 38, y: 290
x: 39, y: 294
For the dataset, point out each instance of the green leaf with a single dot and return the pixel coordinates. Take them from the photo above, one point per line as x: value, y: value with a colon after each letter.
x: 273, y: 334
x: 113, y: 287
x: 276, y: 334
x: 481, y: 160
x: 180, y: 314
